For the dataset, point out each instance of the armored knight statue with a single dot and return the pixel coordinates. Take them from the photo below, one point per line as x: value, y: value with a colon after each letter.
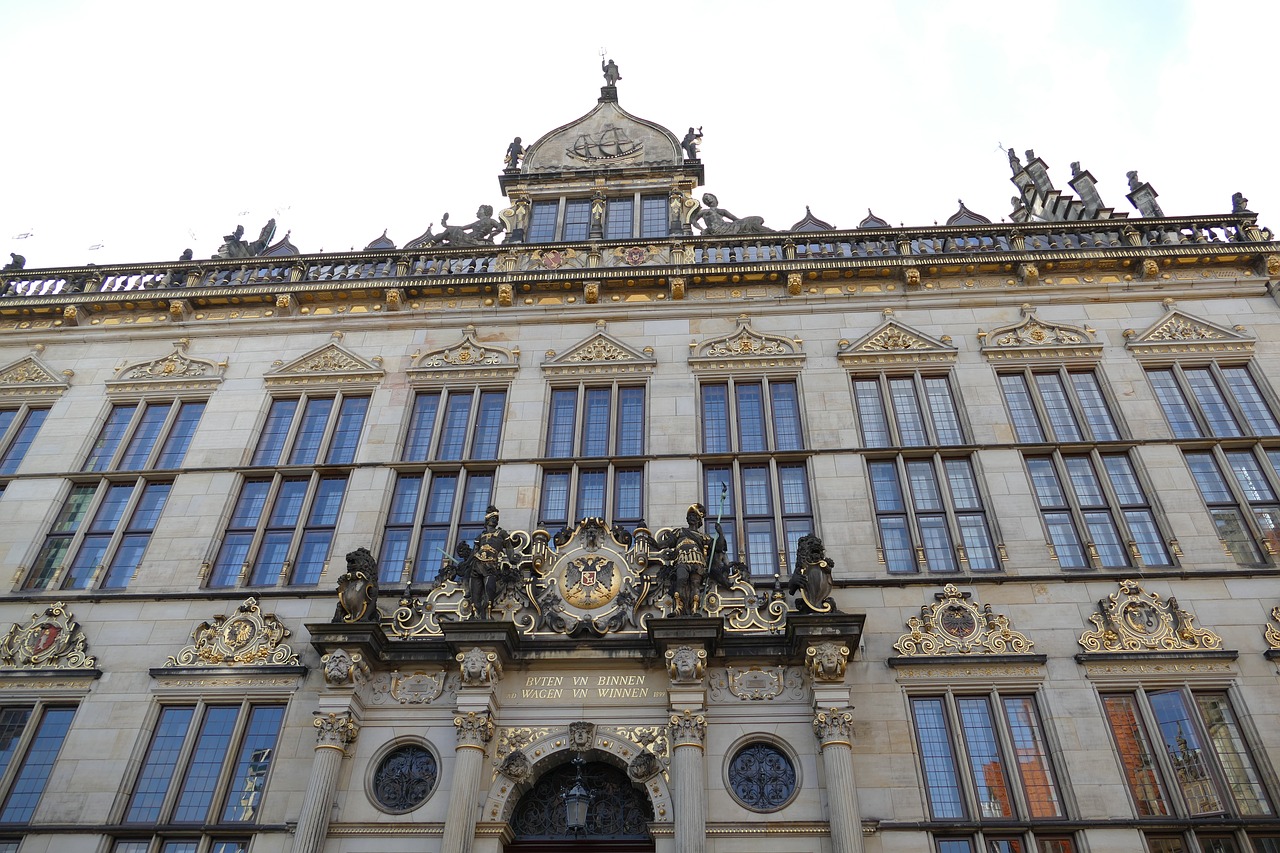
x: 491, y: 569
x: 811, y: 580
x: 691, y: 554
x: 716, y: 221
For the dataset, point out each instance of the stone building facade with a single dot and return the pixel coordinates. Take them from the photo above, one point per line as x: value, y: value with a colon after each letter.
x: 958, y: 538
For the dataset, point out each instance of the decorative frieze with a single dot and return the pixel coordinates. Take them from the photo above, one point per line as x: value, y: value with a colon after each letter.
x: 599, y: 353
x: 468, y: 359
x: 1133, y: 620
x: 954, y: 625
x: 51, y: 640
x: 747, y: 349
x: 895, y: 343
x: 330, y: 365
x: 415, y: 688
x: 31, y: 377
x: 1178, y: 333
x: 1033, y: 339
x: 756, y: 683
x: 176, y: 371
x: 246, y: 637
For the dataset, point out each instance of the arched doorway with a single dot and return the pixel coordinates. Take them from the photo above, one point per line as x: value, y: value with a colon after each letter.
x: 617, y: 821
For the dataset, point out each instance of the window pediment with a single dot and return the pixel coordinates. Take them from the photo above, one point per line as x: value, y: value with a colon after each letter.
x: 247, y: 638
x: 52, y: 642
x: 956, y: 630
x: 168, y: 374
x: 330, y: 365
x: 1134, y: 622
x: 469, y: 359
x: 600, y: 353
x: 747, y: 349
x: 1033, y: 339
x: 31, y: 377
x: 1179, y: 335
x: 893, y: 342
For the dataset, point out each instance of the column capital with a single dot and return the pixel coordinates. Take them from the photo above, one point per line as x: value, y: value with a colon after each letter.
x: 335, y: 730
x: 833, y: 726
x: 474, y: 729
x: 688, y: 729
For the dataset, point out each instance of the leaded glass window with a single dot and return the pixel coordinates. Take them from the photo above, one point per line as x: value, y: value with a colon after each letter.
x: 405, y: 778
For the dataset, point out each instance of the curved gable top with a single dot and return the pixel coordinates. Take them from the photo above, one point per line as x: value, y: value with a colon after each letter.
x: 606, y: 136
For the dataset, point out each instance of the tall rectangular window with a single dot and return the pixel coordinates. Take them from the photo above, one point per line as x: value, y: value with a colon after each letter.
x: 577, y: 219
x: 755, y: 477
x: 18, y: 429
x: 619, y: 219
x: 282, y: 524
x: 653, y: 216
x: 985, y: 758
x: 444, y: 481
x: 205, y: 764
x: 599, y: 433
x: 542, y: 222
x: 101, y: 533
x: 31, y: 737
x: 1060, y: 406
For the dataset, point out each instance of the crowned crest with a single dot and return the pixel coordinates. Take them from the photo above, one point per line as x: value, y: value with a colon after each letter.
x: 247, y: 637
x: 955, y: 625
x: 1133, y: 620
x: 51, y: 640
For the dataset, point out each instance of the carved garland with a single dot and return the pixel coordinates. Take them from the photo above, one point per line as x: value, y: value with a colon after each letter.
x: 955, y: 626
x: 1133, y: 620
x: 746, y: 349
x: 247, y: 637
x: 1033, y: 338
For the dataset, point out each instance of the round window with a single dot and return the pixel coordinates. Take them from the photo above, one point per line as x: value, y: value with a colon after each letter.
x: 762, y: 777
x: 405, y: 777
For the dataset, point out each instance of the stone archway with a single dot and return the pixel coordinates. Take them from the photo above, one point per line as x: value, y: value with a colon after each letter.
x: 618, y: 818
x: 598, y: 744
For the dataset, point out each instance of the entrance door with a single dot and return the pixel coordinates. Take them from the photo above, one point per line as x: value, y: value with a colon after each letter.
x: 617, y: 817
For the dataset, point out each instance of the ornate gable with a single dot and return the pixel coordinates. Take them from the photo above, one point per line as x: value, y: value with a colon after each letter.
x: 31, y: 377
x: 597, y: 354
x: 174, y: 372
x: 247, y: 637
x: 894, y: 343
x: 1034, y: 339
x: 51, y: 640
x: 956, y: 627
x: 747, y: 349
x: 469, y: 359
x: 1179, y: 334
x: 1133, y: 620
x: 329, y: 365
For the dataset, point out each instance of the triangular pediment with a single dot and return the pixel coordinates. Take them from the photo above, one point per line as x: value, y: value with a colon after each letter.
x: 1035, y: 339
x: 30, y: 377
x: 599, y: 353
x: 468, y: 359
x: 606, y: 136
x: 747, y: 349
x: 1179, y: 334
x: 176, y: 371
x: 893, y: 342
x: 330, y: 364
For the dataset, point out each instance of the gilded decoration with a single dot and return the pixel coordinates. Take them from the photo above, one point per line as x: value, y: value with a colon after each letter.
x: 686, y: 665
x: 687, y: 729
x: 1133, y: 620
x: 893, y: 342
x: 1033, y: 338
x: 1272, y: 632
x: 833, y: 726
x: 598, y: 354
x: 331, y: 364
x: 245, y: 638
x: 509, y: 739
x: 51, y: 640
x: 756, y: 683
x: 954, y: 625
x: 175, y: 371
x: 827, y: 661
x: 335, y: 730
x: 593, y: 578
x: 1179, y: 333
x: 465, y: 360
x: 344, y: 669
x: 746, y: 349
x: 473, y: 729
x: 30, y: 377
x: 479, y: 667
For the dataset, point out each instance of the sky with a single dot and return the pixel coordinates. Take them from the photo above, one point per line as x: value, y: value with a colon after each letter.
x: 134, y: 130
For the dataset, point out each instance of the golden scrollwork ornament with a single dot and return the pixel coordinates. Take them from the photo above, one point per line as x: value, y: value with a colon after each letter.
x: 246, y: 637
x: 954, y: 625
x: 1133, y: 620
x: 51, y: 640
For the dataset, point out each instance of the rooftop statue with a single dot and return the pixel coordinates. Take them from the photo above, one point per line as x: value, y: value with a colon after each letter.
x: 186, y: 255
x: 690, y: 143
x: 1239, y: 204
x: 1134, y: 183
x: 610, y: 69
x: 514, y: 152
x: 17, y: 263
x: 237, y: 247
x: 714, y: 220
x: 1014, y: 162
x: 478, y: 233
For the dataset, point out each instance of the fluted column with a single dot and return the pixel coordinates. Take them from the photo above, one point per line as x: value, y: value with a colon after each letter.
x: 688, y: 780
x: 335, y: 731
x: 834, y: 730
x: 474, y: 729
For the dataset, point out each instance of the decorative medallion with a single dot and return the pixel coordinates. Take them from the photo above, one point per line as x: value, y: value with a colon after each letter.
x: 1181, y: 334
x: 330, y: 364
x: 247, y: 637
x: 51, y: 640
x: 415, y: 688
x: 468, y: 359
x: 177, y: 371
x: 894, y: 343
x: 633, y: 256
x: 599, y: 354
x: 746, y: 349
x: 756, y: 683
x: 955, y: 626
x: 30, y: 377
x: 552, y: 259
x: 1133, y: 620
x: 1035, y: 339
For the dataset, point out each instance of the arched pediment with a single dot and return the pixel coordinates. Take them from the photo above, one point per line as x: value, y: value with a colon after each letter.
x: 893, y: 342
x: 606, y: 136
x: 468, y: 359
x: 1178, y: 334
x: 1033, y: 339
x: 176, y: 371
x: 597, y: 354
x: 747, y: 349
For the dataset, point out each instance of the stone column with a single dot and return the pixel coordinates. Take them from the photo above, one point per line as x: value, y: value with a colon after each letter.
x: 475, y: 728
x: 688, y: 780
x: 335, y: 731
x: 834, y: 729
